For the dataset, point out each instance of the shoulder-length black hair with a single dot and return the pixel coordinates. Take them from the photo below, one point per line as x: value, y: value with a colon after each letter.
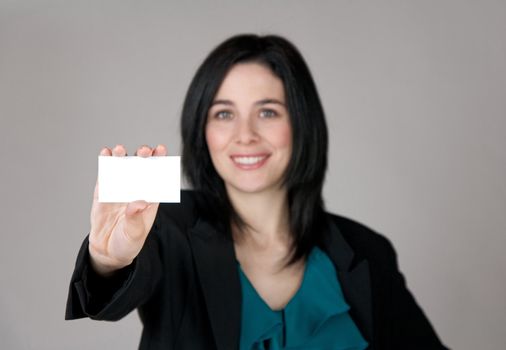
x: 306, y: 169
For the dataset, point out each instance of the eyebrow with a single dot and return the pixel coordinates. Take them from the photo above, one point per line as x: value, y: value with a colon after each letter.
x: 258, y: 103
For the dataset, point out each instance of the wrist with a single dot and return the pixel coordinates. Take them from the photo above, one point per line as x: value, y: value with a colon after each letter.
x: 104, y: 266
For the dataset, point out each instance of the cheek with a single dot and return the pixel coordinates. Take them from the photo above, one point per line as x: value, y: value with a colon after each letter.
x: 282, y: 136
x: 216, y: 139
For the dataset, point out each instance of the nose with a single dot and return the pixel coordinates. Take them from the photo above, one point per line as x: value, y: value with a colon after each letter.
x: 246, y: 132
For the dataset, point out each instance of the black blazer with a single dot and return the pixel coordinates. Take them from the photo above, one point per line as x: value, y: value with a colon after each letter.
x: 185, y: 285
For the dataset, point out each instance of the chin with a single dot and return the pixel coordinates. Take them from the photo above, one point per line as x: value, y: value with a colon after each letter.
x: 251, y: 187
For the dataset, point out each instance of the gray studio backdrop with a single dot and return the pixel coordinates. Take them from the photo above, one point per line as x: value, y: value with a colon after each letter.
x: 414, y: 93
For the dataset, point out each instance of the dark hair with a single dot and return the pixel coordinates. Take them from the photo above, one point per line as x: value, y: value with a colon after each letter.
x: 306, y: 169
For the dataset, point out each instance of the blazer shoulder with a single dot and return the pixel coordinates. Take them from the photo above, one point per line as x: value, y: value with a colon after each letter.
x: 365, y: 241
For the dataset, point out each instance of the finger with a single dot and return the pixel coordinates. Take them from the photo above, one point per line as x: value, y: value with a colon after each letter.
x: 119, y: 151
x: 105, y: 151
x: 160, y: 150
x: 144, y: 151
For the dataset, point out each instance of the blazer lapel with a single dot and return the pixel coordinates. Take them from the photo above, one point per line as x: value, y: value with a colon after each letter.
x: 217, y: 270
x: 354, y: 277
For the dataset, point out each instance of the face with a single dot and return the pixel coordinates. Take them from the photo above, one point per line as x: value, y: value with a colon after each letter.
x: 248, y: 130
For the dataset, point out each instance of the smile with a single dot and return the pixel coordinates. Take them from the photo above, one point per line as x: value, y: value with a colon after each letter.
x: 249, y: 162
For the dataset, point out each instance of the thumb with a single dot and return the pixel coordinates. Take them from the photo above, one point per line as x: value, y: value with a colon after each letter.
x: 134, y: 220
x: 135, y: 208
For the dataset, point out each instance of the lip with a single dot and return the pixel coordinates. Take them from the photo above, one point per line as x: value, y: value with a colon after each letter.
x: 250, y: 166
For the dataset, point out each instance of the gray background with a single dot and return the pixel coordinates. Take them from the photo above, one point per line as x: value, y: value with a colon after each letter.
x: 414, y: 94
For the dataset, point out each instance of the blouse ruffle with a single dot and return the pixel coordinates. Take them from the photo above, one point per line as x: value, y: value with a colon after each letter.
x: 316, y: 318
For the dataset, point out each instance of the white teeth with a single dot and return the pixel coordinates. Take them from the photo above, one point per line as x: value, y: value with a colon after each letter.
x: 248, y: 160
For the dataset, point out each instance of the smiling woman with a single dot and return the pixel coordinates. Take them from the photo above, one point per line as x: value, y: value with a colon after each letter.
x: 249, y: 259
x: 267, y: 76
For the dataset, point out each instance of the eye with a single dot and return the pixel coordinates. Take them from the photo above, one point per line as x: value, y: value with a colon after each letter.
x: 223, y: 115
x: 268, y: 113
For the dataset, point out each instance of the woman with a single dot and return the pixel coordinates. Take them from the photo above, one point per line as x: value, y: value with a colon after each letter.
x: 249, y: 259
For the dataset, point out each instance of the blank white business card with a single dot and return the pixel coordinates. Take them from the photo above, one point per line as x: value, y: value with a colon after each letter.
x: 127, y: 179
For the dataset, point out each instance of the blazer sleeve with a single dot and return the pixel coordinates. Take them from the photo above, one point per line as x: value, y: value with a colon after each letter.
x: 110, y: 299
x: 411, y: 328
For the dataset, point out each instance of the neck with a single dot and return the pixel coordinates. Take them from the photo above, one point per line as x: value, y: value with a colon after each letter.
x: 266, y: 215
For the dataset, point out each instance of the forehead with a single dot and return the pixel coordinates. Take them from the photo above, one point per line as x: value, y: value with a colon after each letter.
x: 250, y: 81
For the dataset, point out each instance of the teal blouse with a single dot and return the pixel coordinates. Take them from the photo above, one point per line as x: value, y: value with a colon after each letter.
x: 316, y: 318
